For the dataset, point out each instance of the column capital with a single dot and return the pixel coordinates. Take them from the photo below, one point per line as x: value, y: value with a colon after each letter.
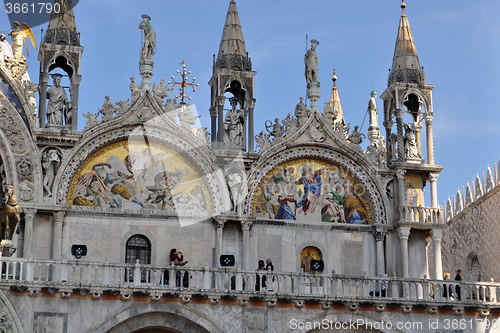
x: 246, y: 225
x: 219, y: 222
x: 221, y: 100
x: 400, y: 173
x: 399, y: 113
x: 428, y: 117
x: 213, y: 111
x: 59, y: 216
x: 404, y: 232
x: 418, y: 126
x: 436, y: 234
x: 433, y: 176
x: 76, y: 79
x: 379, y: 236
x: 388, y: 123
x: 29, y: 213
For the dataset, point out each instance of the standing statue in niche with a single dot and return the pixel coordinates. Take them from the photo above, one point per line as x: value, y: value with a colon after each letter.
x: 148, y: 50
x: 373, y: 110
x: 311, y: 62
x: 233, y: 125
x: 235, y: 183
x: 57, y: 101
x: 411, y: 149
x: 50, y: 164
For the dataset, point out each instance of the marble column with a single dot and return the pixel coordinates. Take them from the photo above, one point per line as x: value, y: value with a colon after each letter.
x: 245, y: 227
x: 57, y: 238
x: 220, y: 116
x: 379, y: 238
x: 400, y: 174
x: 433, y: 177
x: 219, y: 227
x: 399, y: 121
x: 430, y: 139
x: 251, y: 134
x: 75, y: 87
x: 418, y: 128
x: 29, y: 218
x: 404, y: 233
x: 436, y: 235
x: 388, y: 131
x: 213, y: 128
x: 42, y: 105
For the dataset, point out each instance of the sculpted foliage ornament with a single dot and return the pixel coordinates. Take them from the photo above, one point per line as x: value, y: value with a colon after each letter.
x: 25, y: 168
x: 263, y: 141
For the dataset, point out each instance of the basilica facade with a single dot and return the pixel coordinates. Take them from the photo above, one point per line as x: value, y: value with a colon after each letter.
x: 92, y: 219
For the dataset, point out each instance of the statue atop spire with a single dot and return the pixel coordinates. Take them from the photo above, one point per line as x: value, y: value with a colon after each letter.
x: 146, y: 62
x: 311, y: 62
x: 149, y: 46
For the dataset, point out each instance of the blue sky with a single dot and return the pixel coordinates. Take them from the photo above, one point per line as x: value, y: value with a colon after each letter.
x: 457, y: 43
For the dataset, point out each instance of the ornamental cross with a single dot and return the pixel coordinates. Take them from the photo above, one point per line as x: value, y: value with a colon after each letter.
x: 183, y: 84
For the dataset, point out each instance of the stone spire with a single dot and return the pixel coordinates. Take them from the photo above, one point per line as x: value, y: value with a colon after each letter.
x: 232, y: 50
x: 335, y: 102
x: 405, y: 64
x: 62, y: 25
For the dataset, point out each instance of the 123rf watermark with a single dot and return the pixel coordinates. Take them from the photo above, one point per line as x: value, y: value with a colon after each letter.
x: 448, y: 324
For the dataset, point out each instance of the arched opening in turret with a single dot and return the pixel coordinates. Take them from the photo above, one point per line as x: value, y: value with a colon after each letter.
x: 3, y: 179
x: 235, y: 132
x: 61, y: 62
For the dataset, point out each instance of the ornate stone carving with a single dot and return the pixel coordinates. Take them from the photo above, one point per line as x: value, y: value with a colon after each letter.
x: 290, y: 124
x: 26, y: 191
x: 263, y: 141
x: 51, y: 160
x: 356, y: 138
x: 277, y: 130
x: 135, y: 89
x: 160, y: 91
x: 235, y: 181
x: 5, y: 323
x: 123, y: 106
x: 187, y: 118
x: 145, y: 113
x: 17, y: 144
x: 108, y: 109
x: 25, y: 168
x: 7, y: 125
x: 301, y: 112
x: 316, y: 133
x: 91, y: 120
x: 330, y: 115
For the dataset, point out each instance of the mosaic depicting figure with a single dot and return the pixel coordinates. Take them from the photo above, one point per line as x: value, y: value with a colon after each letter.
x: 314, y: 192
x: 133, y: 176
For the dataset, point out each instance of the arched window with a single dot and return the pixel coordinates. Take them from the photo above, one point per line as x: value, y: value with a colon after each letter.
x: 138, y: 247
x: 473, y: 267
x: 309, y: 253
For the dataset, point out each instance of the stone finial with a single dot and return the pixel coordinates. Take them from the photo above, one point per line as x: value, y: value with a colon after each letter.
x: 449, y: 210
x: 479, y: 187
x: 490, y: 184
x: 459, y: 203
x: 468, y: 195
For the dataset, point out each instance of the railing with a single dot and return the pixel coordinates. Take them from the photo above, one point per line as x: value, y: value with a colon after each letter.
x: 71, y: 274
x: 420, y: 214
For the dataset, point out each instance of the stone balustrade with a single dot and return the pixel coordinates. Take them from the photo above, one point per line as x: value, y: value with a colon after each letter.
x: 420, y: 214
x: 50, y: 275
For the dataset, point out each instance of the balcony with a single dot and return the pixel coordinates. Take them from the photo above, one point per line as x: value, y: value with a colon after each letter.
x: 415, y: 214
x: 67, y: 277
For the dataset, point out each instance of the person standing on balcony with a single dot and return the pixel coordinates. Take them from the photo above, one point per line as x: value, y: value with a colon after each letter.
x: 177, y: 259
x: 458, y: 278
x: 260, y: 277
x: 447, y: 288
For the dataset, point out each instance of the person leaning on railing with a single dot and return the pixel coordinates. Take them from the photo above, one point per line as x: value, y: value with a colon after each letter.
x: 448, y: 289
x: 177, y: 259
